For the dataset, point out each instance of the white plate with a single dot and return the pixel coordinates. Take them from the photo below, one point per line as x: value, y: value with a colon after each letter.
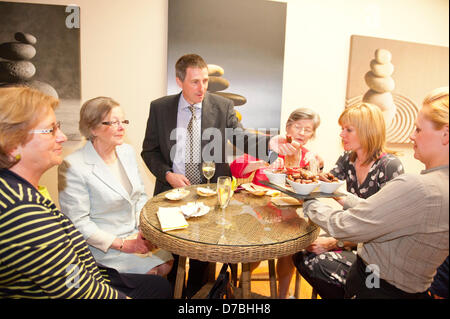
x: 255, y: 189
x: 177, y: 194
x: 204, y: 191
x: 194, y: 209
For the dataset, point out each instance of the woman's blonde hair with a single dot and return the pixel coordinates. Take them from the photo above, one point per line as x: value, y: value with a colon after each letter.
x: 370, y: 126
x: 92, y: 114
x: 435, y: 106
x: 21, y: 109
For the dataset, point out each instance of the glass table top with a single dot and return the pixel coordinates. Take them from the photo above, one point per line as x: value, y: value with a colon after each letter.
x: 254, y: 220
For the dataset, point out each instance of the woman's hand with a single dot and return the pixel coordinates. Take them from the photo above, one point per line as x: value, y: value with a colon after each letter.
x: 131, y: 246
x: 322, y: 244
x: 149, y: 244
x: 280, y: 145
x: 253, y: 166
x: 320, y: 161
x: 340, y: 200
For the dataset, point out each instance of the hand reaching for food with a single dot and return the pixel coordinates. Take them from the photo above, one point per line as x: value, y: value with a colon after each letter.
x: 282, y: 146
x: 253, y: 166
x: 327, y: 177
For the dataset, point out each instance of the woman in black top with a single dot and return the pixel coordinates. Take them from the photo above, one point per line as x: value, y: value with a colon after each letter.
x: 42, y: 254
x: 366, y: 166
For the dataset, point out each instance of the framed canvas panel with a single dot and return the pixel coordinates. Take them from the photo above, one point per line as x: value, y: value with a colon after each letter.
x: 417, y: 69
x: 48, y: 38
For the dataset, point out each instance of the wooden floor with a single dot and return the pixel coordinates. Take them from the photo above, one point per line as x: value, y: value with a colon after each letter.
x: 260, y: 282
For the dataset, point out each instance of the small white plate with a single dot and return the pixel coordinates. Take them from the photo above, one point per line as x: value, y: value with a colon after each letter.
x: 194, y: 209
x: 177, y: 194
x: 255, y: 189
x: 204, y: 191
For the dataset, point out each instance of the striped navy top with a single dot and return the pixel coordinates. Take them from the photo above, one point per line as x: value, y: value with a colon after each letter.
x: 42, y: 254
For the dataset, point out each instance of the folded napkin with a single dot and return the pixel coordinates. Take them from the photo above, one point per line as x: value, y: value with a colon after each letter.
x: 286, y: 201
x: 171, y: 218
x: 273, y: 193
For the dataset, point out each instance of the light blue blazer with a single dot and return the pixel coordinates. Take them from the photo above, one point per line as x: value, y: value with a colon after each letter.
x: 99, y: 206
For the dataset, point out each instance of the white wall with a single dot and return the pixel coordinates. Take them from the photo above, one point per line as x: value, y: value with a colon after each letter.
x: 317, y: 53
x: 124, y: 50
x: 123, y: 55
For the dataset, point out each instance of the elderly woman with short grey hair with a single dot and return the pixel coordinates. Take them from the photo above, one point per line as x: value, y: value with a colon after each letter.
x: 101, y: 191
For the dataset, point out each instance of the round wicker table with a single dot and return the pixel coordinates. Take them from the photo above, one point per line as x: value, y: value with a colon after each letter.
x: 258, y: 230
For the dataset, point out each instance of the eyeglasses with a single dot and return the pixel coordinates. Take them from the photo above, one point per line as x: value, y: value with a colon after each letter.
x: 305, y: 130
x: 116, y: 123
x: 56, y: 126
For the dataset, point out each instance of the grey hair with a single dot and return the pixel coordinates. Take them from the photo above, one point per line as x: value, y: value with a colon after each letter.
x: 304, y: 113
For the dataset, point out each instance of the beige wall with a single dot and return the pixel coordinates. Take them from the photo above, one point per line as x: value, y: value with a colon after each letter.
x: 124, y: 49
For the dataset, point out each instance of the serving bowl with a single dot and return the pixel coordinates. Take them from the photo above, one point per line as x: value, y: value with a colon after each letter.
x: 326, y: 187
x: 275, y: 178
x: 303, y: 189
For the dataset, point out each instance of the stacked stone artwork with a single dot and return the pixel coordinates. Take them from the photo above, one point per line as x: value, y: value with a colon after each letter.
x: 15, y: 66
x: 217, y: 83
x: 381, y: 84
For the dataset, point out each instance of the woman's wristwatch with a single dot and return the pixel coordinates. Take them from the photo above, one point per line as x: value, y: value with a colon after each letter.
x: 121, y: 245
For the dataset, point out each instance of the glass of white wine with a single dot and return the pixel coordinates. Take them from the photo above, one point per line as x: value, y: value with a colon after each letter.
x: 223, y: 196
x: 208, y: 169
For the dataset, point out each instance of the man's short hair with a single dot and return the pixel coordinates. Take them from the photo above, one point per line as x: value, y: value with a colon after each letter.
x: 186, y: 61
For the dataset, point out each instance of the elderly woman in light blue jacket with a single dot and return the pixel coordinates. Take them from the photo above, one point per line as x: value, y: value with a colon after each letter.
x: 101, y: 191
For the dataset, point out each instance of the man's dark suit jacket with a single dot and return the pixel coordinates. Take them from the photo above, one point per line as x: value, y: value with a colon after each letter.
x: 217, y: 112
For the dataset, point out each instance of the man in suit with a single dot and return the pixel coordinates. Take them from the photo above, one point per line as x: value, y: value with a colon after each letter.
x: 167, y: 140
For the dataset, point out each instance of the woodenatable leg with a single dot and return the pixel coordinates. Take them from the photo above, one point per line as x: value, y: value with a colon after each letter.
x: 246, y: 284
x: 181, y: 274
x: 297, y: 284
x: 273, y: 279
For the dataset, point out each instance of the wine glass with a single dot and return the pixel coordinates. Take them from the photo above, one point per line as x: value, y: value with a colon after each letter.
x: 208, y: 169
x: 223, y: 196
x: 310, y: 157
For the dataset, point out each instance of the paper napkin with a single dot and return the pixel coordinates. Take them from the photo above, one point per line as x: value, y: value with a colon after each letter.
x: 286, y: 201
x: 171, y: 218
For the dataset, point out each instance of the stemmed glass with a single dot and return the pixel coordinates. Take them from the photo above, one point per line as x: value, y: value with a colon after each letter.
x: 223, y: 196
x: 313, y: 163
x: 208, y: 169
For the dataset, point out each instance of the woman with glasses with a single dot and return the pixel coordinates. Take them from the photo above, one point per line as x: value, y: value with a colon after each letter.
x: 101, y: 191
x: 301, y: 126
x: 42, y: 254
x: 366, y: 166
